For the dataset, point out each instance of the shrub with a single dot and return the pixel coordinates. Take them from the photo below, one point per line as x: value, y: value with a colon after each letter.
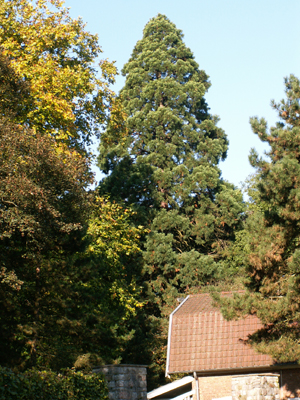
x: 47, y: 385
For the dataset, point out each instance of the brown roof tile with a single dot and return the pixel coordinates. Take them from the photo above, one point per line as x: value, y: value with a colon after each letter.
x: 202, y: 340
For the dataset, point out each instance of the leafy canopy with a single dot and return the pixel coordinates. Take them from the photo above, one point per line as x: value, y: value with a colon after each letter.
x: 112, y: 263
x: 43, y: 209
x: 43, y: 206
x: 56, y: 56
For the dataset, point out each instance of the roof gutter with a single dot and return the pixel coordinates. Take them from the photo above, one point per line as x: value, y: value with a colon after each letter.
x: 169, y: 336
x: 241, y: 370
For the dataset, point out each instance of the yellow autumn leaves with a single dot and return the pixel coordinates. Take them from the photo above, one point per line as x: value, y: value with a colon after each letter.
x: 115, y: 242
x: 57, y: 58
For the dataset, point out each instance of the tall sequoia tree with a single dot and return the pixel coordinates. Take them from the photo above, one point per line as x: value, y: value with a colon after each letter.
x: 164, y: 159
x: 161, y: 151
x: 273, y: 259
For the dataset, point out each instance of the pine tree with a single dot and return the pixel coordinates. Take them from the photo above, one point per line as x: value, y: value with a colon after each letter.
x: 273, y: 265
x: 161, y: 152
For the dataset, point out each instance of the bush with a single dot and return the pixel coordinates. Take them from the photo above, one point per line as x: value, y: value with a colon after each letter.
x: 47, y: 385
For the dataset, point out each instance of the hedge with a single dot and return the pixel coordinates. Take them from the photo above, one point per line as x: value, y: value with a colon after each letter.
x: 47, y: 385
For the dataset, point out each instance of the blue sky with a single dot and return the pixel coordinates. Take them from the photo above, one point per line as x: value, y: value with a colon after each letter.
x: 247, y: 47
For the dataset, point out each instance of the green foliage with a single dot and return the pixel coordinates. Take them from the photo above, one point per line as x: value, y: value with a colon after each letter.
x: 114, y: 248
x: 161, y: 151
x: 61, y: 296
x: 108, y: 281
x: 236, y: 256
x: 273, y: 228
x: 42, y: 212
x: 46, y: 385
x: 86, y: 362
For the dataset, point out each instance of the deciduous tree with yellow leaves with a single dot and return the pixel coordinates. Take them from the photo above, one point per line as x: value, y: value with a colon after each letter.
x: 113, y: 262
x: 57, y: 57
x: 59, y: 299
x: 43, y: 210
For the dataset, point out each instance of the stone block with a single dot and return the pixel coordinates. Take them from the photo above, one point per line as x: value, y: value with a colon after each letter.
x: 121, y: 384
x: 255, y: 387
x: 111, y: 385
x: 142, y: 395
x: 123, y: 395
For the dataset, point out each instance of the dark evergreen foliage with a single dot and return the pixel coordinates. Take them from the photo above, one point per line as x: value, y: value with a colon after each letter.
x: 167, y: 164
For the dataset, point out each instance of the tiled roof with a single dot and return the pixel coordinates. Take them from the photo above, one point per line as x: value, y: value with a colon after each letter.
x: 202, y: 340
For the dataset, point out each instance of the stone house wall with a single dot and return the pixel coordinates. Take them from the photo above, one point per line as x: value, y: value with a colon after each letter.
x: 256, y: 387
x: 125, y: 382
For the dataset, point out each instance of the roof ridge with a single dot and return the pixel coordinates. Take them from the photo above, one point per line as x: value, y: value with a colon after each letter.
x: 223, y: 292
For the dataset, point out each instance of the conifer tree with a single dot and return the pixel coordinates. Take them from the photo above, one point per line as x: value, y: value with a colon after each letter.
x: 161, y: 151
x: 273, y: 265
x: 164, y: 159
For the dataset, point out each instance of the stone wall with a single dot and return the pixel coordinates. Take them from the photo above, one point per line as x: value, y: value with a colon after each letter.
x: 125, y: 382
x: 256, y: 387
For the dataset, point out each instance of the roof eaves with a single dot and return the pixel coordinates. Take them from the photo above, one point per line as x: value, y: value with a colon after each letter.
x: 169, y: 335
x: 241, y: 370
